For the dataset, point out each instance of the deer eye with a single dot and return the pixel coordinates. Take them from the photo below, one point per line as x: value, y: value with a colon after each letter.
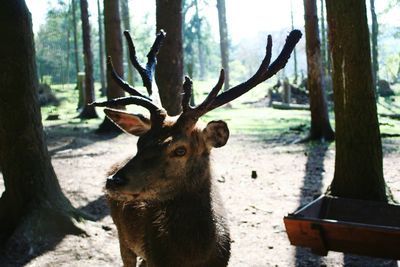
x: 180, y: 151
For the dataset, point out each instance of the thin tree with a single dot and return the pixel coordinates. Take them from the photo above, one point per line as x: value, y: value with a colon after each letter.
x: 75, y: 33
x: 294, y: 51
x: 113, y: 40
x: 33, y: 206
x: 374, y: 46
x: 66, y: 79
x: 200, y: 45
x: 169, y: 70
x: 320, y: 125
x: 398, y: 73
x: 358, y: 164
x: 88, y: 111
x: 223, y: 40
x: 127, y: 27
x: 324, y: 45
x: 101, y: 47
x: 188, y: 41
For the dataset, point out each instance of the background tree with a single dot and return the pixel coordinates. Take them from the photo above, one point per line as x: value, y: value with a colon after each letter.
x: 127, y: 27
x: 75, y: 31
x: 33, y: 203
x: 294, y: 51
x: 198, y: 21
x: 358, y: 162
x: 224, y: 40
x: 113, y: 39
x: 324, y: 43
x: 52, y: 41
x: 88, y: 111
x: 101, y: 47
x: 374, y: 46
x: 169, y: 69
x: 188, y: 31
x: 320, y: 125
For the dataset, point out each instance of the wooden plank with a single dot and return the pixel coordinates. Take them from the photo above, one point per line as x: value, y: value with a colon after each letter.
x: 359, y: 227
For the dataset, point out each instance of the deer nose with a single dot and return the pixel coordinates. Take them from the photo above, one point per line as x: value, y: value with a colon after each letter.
x: 114, y: 182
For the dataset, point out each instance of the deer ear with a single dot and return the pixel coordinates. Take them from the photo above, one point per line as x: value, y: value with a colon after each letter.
x: 130, y: 123
x: 217, y: 133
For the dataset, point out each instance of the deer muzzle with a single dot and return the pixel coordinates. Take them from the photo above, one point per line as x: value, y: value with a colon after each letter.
x: 114, y: 182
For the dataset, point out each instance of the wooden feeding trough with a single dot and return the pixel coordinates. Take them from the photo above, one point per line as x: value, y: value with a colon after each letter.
x: 346, y: 225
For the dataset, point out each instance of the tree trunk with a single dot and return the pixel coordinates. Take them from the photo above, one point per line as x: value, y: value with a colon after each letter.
x: 68, y: 55
x: 33, y: 203
x: 324, y: 48
x: 113, y: 38
x: 169, y: 70
x: 398, y: 73
x: 358, y: 164
x: 101, y: 48
x: 374, y: 47
x: 88, y: 112
x: 224, y: 40
x: 294, y: 50
x: 200, y: 45
x: 286, y: 94
x: 76, y: 51
x: 320, y: 126
x: 127, y: 27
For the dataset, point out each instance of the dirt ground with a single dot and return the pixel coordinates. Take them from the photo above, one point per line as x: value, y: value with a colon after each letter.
x: 288, y: 175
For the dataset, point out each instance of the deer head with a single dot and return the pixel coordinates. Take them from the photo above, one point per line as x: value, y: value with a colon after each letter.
x: 173, y: 152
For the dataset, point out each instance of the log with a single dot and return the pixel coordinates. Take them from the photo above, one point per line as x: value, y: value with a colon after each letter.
x: 285, y: 106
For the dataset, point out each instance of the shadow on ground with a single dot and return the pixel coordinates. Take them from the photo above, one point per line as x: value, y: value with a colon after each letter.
x: 312, y: 186
x: 17, y: 252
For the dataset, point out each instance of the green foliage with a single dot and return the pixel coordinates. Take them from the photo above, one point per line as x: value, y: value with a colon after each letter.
x: 54, y: 44
x: 51, y: 45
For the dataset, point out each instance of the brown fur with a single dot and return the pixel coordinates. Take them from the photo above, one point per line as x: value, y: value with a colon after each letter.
x: 166, y: 208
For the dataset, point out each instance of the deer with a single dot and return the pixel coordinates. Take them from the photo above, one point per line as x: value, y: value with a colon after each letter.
x: 163, y: 200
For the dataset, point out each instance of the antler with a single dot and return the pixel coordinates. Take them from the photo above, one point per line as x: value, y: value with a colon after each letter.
x: 147, y: 73
x: 266, y: 70
x: 157, y: 114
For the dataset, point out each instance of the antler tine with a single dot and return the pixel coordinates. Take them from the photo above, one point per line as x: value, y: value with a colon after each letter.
x: 264, y: 72
x: 152, y: 55
x: 146, y: 73
x: 280, y: 62
x: 157, y: 114
x: 135, y: 62
x: 187, y: 94
x: 190, y: 115
x: 205, y: 105
x: 122, y: 83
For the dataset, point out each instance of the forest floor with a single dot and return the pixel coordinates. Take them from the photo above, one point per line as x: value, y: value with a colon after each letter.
x: 288, y: 176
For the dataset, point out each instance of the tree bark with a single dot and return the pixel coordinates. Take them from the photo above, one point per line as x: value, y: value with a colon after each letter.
x: 101, y: 48
x: 374, y: 47
x: 88, y: 112
x: 320, y: 125
x: 224, y: 40
x: 33, y: 202
x: 358, y: 163
x: 113, y: 40
x: 169, y: 70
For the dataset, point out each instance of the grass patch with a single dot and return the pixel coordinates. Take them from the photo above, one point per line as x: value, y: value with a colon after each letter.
x: 263, y: 122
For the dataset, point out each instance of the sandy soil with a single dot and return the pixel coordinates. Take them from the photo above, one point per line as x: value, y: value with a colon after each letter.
x: 287, y: 176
